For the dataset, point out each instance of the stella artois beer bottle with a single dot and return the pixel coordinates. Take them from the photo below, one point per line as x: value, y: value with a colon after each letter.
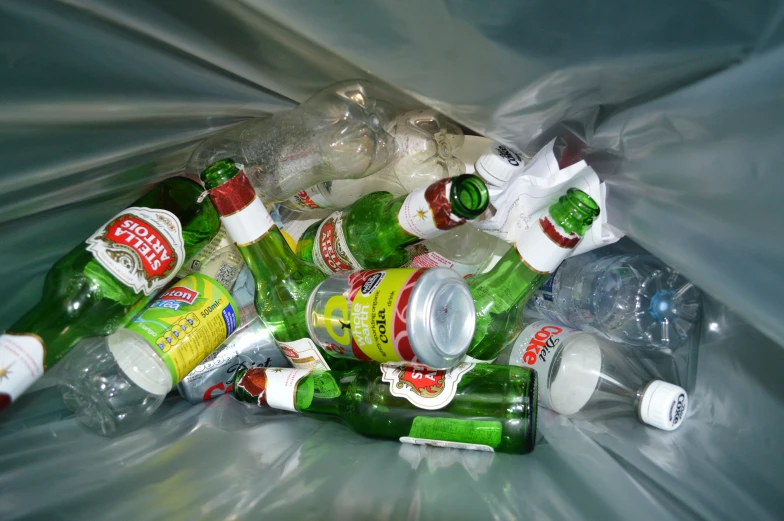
x: 471, y: 406
x: 96, y: 288
x: 283, y: 281
x: 500, y: 294
x: 373, y: 233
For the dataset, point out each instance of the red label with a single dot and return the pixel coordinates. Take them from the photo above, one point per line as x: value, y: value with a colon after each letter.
x: 437, y: 196
x: 305, y: 199
x: 290, y: 353
x: 424, y: 381
x: 156, y: 254
x: 568, y: 241
x: 180, y: 294
x: 326, y: 246
x: 254, y: 382
x: 233, y: 195
x: 539, y: 341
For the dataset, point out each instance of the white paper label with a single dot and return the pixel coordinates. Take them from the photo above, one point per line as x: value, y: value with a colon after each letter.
x: 417, y: 215
x: 527, y: 197
x: 539, y: 249
x: 331, y: 253
x: 21, y: 364
x: 422, y: 257
x: 249, y: 224
x: 423, y: 386
x: 310, y: 199
x: 303, y: 354
x: 281, y: 389
x: 447, y: 444
x: 142, y: 247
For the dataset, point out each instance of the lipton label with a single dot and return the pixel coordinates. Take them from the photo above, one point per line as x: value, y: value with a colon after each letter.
x: 331, y: 253
x: 423, y: 386
x: 142, y: 247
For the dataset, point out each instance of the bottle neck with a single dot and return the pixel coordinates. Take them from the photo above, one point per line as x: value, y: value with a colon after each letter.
x: 55, y: 324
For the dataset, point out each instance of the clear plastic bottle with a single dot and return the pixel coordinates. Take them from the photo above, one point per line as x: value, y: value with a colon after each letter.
x: 628, y: 298
x: 469, y: 250
x: 426, y: 142
x: 338, y: 133
x: 114, y: 383
x: 586, y: 374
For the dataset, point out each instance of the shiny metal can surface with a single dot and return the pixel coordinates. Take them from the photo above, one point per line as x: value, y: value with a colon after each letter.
x: 250, y: 346
x: 395, y: 315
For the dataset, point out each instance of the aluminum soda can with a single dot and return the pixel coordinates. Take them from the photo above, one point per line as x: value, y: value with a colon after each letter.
x: 250, y: 346
x: 396, y: 315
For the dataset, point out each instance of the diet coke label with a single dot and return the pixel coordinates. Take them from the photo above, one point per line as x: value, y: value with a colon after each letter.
x: 536, y: 348
x: 142, y: 247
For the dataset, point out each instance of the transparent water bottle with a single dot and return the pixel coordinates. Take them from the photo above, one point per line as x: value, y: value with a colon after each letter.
x: 583, y: 373
x: 425, y: 144
x: 338, y: 133
x: 629, y: 298
x: 114, y: 383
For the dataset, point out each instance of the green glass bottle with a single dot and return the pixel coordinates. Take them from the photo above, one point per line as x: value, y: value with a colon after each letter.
x: 373, y: 232
x: 472, y: 406
x: 284, y: 282
x: 98, y: 286
x: 500, y: 294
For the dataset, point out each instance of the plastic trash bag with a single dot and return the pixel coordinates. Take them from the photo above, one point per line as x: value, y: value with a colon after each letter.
x: 679, y: 106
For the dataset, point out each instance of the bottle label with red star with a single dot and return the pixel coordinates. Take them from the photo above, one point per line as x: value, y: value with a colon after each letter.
x: 427, y: 212
x: 21, y: 364
x: 423, y: 386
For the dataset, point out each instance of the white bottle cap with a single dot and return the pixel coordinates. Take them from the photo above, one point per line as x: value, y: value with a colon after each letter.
x: 499, y: 163
x: 663, y: 405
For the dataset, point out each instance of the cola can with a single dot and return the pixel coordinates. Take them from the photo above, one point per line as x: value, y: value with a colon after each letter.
x: 250, y: 346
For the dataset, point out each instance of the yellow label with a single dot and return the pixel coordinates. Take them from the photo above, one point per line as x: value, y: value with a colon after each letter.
x: 187, y: 322
x: 369, y: 323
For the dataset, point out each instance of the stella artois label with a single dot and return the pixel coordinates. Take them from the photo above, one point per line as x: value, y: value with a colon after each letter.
x: 545, y: 245
x: 21, y: 364
x: 427, y: 212
x: 303, y: 354
x: 142, y: 247
x: 423, y: 386
x: 309, y: 200
x: 331, y: 253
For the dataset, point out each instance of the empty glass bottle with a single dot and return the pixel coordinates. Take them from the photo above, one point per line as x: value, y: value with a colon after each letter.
x: 102, y: 283
x: 375, y: 230
x: 471, y: 406
x: 501, y: 293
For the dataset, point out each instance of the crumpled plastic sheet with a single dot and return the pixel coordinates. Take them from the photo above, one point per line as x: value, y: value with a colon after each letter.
x: 679, y: 106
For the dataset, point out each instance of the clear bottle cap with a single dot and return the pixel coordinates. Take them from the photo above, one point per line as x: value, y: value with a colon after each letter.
x: 499, y: 164
x: 663, y: 405
x: 441, y: 318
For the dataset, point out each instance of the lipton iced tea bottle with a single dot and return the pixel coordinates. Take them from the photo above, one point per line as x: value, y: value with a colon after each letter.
x: 95, y: 288
x: 471, y: 406
x: 500, y: 294
x: 114, y: 383
x: 374, y: 232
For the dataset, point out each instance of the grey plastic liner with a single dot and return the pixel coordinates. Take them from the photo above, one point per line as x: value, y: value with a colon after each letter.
x: 679, y: 105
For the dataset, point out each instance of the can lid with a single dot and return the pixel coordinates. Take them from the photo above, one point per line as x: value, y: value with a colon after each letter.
x: 663, y: 405
x: 441, y: 318
x: 499, y: 163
